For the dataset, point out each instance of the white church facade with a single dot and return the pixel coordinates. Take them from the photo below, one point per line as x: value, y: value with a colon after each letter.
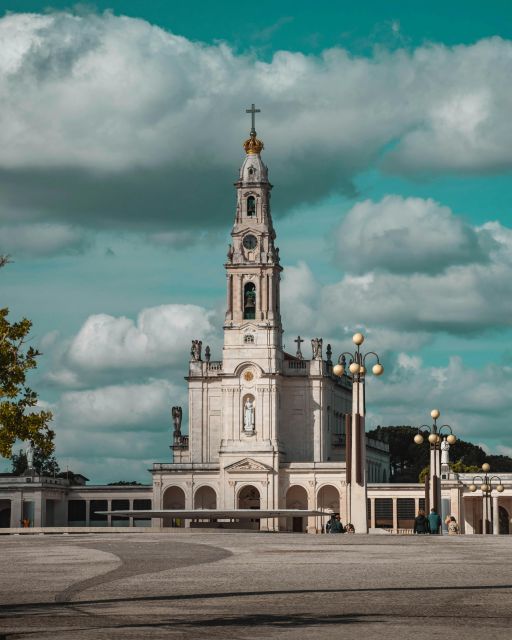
x: 266, y: 427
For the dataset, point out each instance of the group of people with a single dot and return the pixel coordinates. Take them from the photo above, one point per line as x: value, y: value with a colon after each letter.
x: 334, y: 525
x: 432, y: 523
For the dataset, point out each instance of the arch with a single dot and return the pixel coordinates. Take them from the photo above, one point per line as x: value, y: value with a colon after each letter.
x: 297, y: 498
x: 503, y: 521
x: 205, y: 498
x: 248, y: 497
x: 249, y: 301
x: 328, y: 497
x: 173, y: 498
x: 251, y: 205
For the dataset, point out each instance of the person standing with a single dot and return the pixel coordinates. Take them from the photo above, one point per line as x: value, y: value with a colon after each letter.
x: 421, y: 523
x: 434, y: 521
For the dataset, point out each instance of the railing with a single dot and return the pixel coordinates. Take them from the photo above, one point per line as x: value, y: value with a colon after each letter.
x: 215, y: 365
x: 297, y: 364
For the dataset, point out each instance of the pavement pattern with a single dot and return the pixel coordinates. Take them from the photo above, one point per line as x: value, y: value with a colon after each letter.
x: 240, y: 585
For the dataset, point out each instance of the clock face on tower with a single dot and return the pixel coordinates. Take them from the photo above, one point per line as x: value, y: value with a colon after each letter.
x: 250, y: 241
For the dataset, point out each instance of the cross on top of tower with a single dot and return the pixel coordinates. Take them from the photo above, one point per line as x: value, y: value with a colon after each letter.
x: 253, y: 111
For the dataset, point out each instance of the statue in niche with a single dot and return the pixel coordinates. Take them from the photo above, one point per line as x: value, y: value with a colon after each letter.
x: 249, y: 415
x: 177, y: 414
x: 316, y: 346
x: 195, y: 351
x: 445, y: 451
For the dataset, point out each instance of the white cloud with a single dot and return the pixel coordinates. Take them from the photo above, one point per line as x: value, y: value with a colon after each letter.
x: 160, y: 337
x: 475, y: 402
x: 117, y: 406
x: 405, y: 235
x: 100, y: 95
x: 463, y: 298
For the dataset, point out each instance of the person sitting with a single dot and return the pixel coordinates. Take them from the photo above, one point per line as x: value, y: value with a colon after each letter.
x: 434, y: 521
x: 453, y: 527
x: 350, y: 528
x: 421, y: 523
x: 336, y: 526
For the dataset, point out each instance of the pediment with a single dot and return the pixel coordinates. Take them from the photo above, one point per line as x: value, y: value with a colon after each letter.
x: 247, y: 464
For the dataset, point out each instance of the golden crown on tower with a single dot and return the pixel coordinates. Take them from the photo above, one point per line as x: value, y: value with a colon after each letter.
x: 253, y: 145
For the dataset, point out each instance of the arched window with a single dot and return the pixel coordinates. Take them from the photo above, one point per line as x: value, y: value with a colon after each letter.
x: 249, y: 338
x: 250, y: 301
x: 251, y: 206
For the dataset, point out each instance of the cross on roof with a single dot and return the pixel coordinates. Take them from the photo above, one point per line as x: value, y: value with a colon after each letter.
x: 253, y: 111
x: 299, y: 355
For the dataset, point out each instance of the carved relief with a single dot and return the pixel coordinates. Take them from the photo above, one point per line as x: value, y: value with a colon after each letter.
x: 248, y: 464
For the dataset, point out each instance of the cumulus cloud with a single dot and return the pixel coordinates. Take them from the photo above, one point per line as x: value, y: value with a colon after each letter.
x: 464, y: 298
x: 160, y: 337
x: 405, y: 235
x: 105, y: 117
x: 471, y: 400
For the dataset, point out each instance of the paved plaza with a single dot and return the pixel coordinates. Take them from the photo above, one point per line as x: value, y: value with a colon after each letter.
x: 254, y: 585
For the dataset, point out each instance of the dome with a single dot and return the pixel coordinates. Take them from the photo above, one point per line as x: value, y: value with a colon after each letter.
x: 253, y: 169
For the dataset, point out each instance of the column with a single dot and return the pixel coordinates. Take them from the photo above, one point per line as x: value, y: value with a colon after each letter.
x: 495, y: 516
x: 130, y: 502
x: 229, y: 305
x: 416, y: 506
x: 87, y: 513
x: 395, y: 514
x: 109, y: 517
x: 372, y: 513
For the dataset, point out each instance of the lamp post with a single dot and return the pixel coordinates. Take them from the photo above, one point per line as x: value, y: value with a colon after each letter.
x: 486, y: 486
x: 355, y: 447
x: 434, y: 436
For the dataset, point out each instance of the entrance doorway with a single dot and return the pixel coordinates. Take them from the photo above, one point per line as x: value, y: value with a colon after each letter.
x: 249, y: 498
x: 297, y: 498
x: 504, y: 521
x: 174, y: 498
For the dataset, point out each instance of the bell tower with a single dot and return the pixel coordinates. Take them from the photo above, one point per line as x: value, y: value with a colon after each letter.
x: 252, y: 328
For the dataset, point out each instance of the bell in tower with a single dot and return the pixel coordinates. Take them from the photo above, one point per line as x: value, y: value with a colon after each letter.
x: 249, y: 301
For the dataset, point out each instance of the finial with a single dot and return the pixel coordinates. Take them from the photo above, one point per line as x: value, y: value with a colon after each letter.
x: 252, y: 145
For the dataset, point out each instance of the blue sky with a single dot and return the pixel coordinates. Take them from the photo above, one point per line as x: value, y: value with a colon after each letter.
x: 388, y: 141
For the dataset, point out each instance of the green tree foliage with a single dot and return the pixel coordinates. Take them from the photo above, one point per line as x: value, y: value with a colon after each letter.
x: 409, y: 460
x: 456, y: 467
x: 45, y: 465
x: 18, y: 420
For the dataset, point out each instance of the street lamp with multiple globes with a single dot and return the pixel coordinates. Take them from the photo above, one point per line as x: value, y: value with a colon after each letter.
x: 434, y: 435
x: 486, y: 486
x: 355, y: 438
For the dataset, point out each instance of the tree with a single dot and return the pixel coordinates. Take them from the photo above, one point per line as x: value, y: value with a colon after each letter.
x: 44, y: 464
x: 456, y: 467
x: 18, y: 420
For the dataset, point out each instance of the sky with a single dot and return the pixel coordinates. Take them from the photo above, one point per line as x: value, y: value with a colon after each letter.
x: 388, y: 141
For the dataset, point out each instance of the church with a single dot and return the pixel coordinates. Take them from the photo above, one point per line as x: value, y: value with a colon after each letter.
x: 266, y: 427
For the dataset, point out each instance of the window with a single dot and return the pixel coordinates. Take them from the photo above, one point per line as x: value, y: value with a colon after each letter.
x: 251, y: 206
x: 249, y: 339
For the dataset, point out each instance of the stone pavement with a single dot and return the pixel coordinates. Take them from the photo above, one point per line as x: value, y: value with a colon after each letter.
x: 234, y: 585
